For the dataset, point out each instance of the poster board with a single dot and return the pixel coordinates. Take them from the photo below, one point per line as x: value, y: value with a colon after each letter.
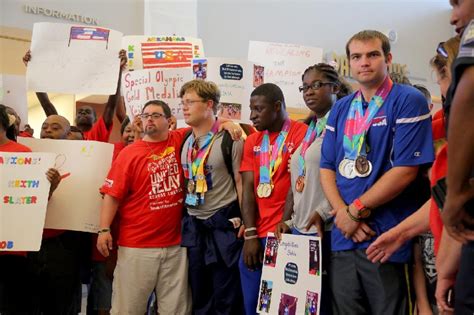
x: 284, y: 64
x: 141, y: 86
x: 74, y: 59
x: 235, y: 80
x: 162, y: 51
x: 24, y: 190
x: 291, y: 275
x: 83, y: 165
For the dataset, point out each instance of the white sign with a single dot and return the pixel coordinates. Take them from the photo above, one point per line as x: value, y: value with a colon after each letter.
x: 147, y: 52
x: 72, y: 59
x: 24, y: 190
x: 235, y: 79
x: 284, y: 64
x: 83, y: 165
x: 291, y: 276
x: 141, y: 86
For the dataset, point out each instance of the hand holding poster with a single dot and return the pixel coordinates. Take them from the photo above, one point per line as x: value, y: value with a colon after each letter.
x: 73, y: 59
x: 291, y: 275
x: 83, y: 165
x: 24, y: 191
x: 284, y: 64
x: 141, y: 86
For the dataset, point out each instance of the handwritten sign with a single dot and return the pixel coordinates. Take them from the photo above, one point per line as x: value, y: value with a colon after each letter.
x: 291, y: 275
x: 141, y: 86
x: 234, y: 77
x: 83, y: 165
x: 73, y: 59
x: 148, y: 52
x: 284, y: 64
x: 24, y: 191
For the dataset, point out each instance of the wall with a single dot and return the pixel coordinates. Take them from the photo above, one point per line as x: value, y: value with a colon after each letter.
x: 226, y: 26
x: 16, y: 26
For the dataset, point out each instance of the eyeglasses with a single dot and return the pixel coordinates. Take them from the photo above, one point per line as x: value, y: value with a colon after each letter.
x: 441, y: 50
x: 190, y: 102
x: 154, y: 116
x: 316, y: 85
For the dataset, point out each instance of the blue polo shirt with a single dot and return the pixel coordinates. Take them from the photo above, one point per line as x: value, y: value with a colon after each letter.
x: 400, y: 135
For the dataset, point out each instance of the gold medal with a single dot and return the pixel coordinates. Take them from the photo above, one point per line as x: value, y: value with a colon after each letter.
x: 300, y: 184
x: 264, y: 190
x: 191, y: 186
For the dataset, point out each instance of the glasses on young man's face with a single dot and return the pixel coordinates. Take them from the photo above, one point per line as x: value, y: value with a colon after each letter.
x: 188, y: 103
x: 316, y: 85
x: 441, y: 50
x: 154, y: 116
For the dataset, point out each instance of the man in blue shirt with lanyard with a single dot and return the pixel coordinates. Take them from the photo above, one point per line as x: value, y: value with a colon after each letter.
x: 377, y: 139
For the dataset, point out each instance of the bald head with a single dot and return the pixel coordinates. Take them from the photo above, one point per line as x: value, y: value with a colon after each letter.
x: 55, y: 127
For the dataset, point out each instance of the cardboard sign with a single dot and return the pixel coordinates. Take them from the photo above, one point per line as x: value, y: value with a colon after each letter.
x: 291, y: 275
x: 24, y: 191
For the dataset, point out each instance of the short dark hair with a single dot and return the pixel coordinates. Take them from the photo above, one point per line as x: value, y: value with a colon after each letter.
x: 271, y: 92
x: 330, y: 74
x: 424, y: 91
x: 163, y: 105
x: 367, y: 35
x: 5, y: 123
x: 125, y: 123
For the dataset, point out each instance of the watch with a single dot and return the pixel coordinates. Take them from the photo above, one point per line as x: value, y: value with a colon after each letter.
x: 362, y: 210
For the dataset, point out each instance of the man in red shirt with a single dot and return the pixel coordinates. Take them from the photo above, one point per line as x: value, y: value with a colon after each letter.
x: 146, y: 182
x: 264, y: 192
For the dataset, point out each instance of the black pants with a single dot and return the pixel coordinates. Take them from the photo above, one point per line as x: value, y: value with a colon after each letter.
x: 361, y: 287
x: 15, y: 285
x: 56, y: 279
x: 464, y: 289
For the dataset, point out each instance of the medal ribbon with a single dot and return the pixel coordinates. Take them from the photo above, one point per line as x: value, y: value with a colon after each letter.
x: 195, y: 167
x: 268, y: 166
x: 358, y: 123
x: 315, y: 130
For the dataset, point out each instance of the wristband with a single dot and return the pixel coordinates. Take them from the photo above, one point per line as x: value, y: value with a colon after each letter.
x: 251, y: 237
x: 353, y: 218
x: 250, y: 229
x: 362, y: 210
x: 104, y: 230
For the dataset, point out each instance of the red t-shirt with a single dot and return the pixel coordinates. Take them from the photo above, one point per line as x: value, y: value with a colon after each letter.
x: 11, y: 146
x: 149, y: 191
x: 99, y: 131
x: 270, y: 210
x: 438, y: 171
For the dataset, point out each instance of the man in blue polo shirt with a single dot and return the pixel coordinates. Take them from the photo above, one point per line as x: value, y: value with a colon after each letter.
x: 377, y: 140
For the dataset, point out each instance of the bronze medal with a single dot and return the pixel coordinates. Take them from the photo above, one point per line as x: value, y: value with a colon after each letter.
x: 362, y: 166
x: 300, y: 184
x: 191, y: 186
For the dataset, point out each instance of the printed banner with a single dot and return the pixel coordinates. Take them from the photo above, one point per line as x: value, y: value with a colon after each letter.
x: 83, y: 165
x: 73, y: 59
x: 141, y: 86
x: 291, y: 276
x: 234, y: 77
x: 284, y: 64
x: 24, y: 190
x: 147, y: 52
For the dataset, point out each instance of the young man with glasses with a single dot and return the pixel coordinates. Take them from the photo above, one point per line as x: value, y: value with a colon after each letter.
x: 376, y: 140
x: 213, y: 191
x: 146, y: 182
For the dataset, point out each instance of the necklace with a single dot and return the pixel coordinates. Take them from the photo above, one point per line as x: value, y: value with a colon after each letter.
x: 153, y: 156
